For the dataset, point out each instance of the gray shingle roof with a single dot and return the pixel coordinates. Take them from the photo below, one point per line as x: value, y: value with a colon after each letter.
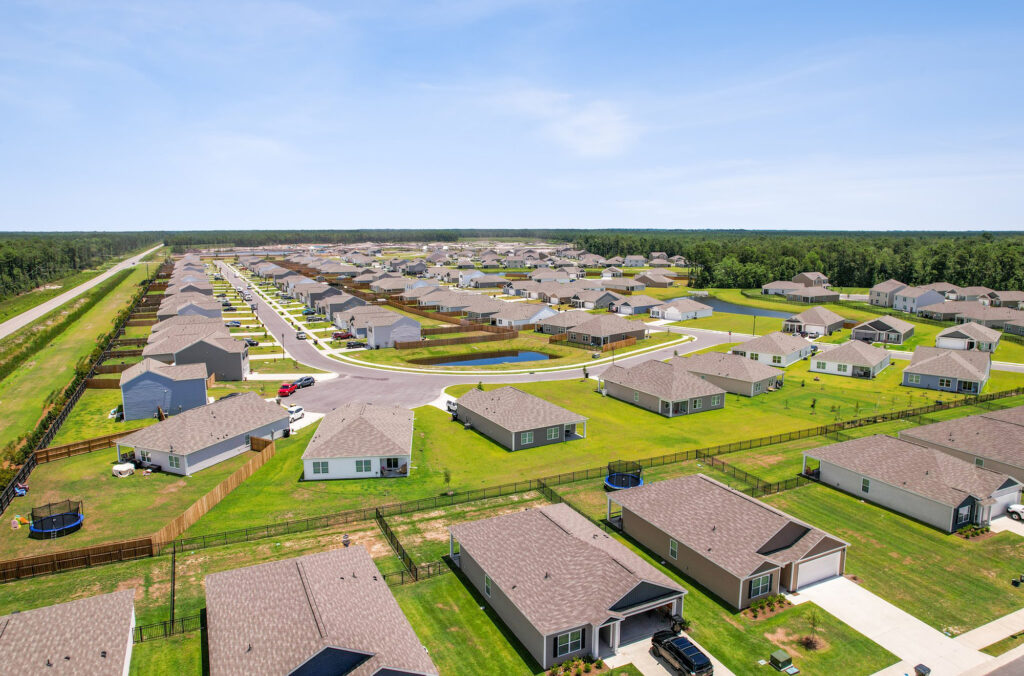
x: 854, y: 352
x: 971, y: 330
x: 201, y: 427
x: 557, y: 568
x: 776, y: 342
x: 685, y: 305
x: 188, y: 320
x: 722, y: 524
x: 888, y: 286
x: 567, y: 320
x: 998, y: 435
x: 669, y: 381
x: 273, y: 617
x: 361, y: 430
x: 959, y: 364
x: 515, y: 410
x: 78, y: 630
x: 729, y: 366
x: 177, y: 373
x: 886, y: 323
x: 924, y: 471
x: 607, y: 325
x: 817, y: 315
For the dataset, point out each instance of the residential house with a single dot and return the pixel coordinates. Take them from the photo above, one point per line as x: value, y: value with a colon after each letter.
x: 623, y: 284
x: 811, y: 279
x: 611, y: 272
x: 781, y: 287
x: 948, y: 311
x: 734, y: 373
x: 816, y: 321
x: 358, y: 441
x: 416, y: 267
x: 986, y: 315
x: 330, y: 305
x: 935, y: 368
x: 563, y: 587
x: 223, y: 356
x: 681, y: 309
x: 1010, y: 299
x: 922, y: 483
x: 517, y: 315
x: 352, y: 318
x: 853, y: 358
x: 813, y: 294
x: 326, y: 613
x: 384, y: 330
x: 634, y: 261
x: 890, y: 330
x: 910, y: 299
x: 738, y: 548
x: 653, y: 279
x: 547, y: 275
x: 883, y: 294
x: 178, y: 322
x: 188, y: 304
x: 666, y: 388
x: 202, y: 437
x: 487, y: 282
x: 91, y: 636
x: 634, y: 305
x: 517, y: 420
x: 969, y: 336
x: 594, y: 300
x: 563, y: 321
x: 615, y: 261
x: 994, y: 439
x: 602, y: 330
x: 776, y: 348
x: 1015, y: 327
x: 151, y: 385
x: 467, y: 276
x: 973, y: 293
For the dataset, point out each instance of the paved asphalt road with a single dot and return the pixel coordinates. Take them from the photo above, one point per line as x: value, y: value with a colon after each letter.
x: 361, y: 383
x: 29, y: 316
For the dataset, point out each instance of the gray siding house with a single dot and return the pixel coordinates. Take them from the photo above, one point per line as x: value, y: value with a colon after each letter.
x: 912, y: 298
x: 517, y: 420
x: 969, y: 336
x: 935, y: 368
x: 151, y: 385
x: 891, y: 330
x: 360, y: 441
x: 384, y: 330
x: 883, y: 294
x: 202, y: 437
x: 734, y: 373
x: 563, y: 587
x: 923, y: 483
x: 666, y: 388
x: 333, y: 304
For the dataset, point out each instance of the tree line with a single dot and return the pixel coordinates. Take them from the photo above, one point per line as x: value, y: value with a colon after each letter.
x: 29, y: 260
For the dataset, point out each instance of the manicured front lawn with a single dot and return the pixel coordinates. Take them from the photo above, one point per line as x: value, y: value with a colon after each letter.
x: 726, y: 321
x: 950, y: 583
x: 90, y: 418
x: 1007, y: 644
x: 281, y: 366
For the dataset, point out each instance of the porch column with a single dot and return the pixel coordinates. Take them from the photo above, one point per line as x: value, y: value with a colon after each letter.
x: 595, y: 643
x: 677, y: 606
x: 615, y: 637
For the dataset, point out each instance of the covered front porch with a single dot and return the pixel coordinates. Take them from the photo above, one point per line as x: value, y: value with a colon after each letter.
x: 638, y: 626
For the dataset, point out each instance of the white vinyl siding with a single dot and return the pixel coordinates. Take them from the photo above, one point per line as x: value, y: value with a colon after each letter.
x: 174, y: 461
x: 776, y: 359
x: 144, y: 456
x: 320, y: 467
x: 819, y: 365
x: 842, y: 368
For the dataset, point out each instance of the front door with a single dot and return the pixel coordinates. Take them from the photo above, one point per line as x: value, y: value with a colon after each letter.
x: 391, y: 463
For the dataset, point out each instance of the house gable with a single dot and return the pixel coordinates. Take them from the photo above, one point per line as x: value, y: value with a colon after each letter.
x: 642, y: 593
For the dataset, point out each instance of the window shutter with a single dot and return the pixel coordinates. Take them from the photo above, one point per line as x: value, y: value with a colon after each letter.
x: 583, y: 638
x: 554, y: 646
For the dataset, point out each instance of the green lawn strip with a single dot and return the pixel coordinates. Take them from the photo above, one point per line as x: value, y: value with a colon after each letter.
x: 265, y: 388
x: 950, y: 583
x: 115, y: 508
x: 459, y: 629
x: 1005, y: 645
x: 181, y: 654
x: 26, y: 301
x: 90, y: 418
x: 725, y: 321
x: 266, y: 349
x: 137, y: 332
x: 281, y: 366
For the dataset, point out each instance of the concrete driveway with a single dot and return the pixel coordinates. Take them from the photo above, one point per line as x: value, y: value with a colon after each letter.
x: 1006, y: 523
x: 899, y: 632
x: 639, y: 655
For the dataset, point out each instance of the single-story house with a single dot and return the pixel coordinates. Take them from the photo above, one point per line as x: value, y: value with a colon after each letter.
x: 326, y: 613
x: 666, y: 388
x: 91, y: 636
x: 204, y: 436
x: 1010, y: 299
x: 987, y: 315
x: 386, y: 329
x: 935, y: 368
x: 358, y: 441
x: 923, y: 483
x: 737, y: 547
x: 912, y: 298
x: 634, y: 261
x: 563, y: 321
x: 563, y: 587
x: 615, y: 261
x: 883, y: 294
x: 994, y: 439
x: 213, y: 324
x: 654, y: 279
x: 611, y: 272
x: 781, y: 287
x: 353, y: 319
x: 517, y: 420
x: 466, y: 276
x: 890, y: 330
x: 776, y: 348
x: 594, y: 300
x: 853, y: 358
x: 1016, y: 327
x: 811, y: 279
x: 521, y: 314
x: 813, y: 294
x: 974, y: 293
x: 815, y: 321
x: 188, y: 304
x: 968, y: 336
x: 622, y: 284
x: 602, y: 330
x: 734, y: 373
x: 486, y: 282
x: 634, y: 305
x: 150, y: 385
x: 548, y: 275
x: 681, y: 309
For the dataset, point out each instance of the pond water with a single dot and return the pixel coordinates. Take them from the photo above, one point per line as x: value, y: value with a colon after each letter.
x: 486, y: 358
x: 725, y: 306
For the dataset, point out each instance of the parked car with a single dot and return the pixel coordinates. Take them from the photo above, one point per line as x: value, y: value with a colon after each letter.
x: 309, y: 311
x: 287, y: 389
x: 301, y: 335
x: 341, y: 335
x: 250, y: 342
x: 1016, y: 512
x: 295, y: 413
x: 681, y: 655
x: 234, y: 323
x: 305, y: 381
x: 353, y: 344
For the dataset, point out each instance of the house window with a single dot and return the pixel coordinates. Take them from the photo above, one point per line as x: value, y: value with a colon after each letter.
x: 636, y: 396
x: 776, y: 359
x: 865, y: 485
x: 945, y: 382
x: 363, y: 465
x: 819, y: 365
x: 963, y: 515
x: 487, y: 586
x: 979, y: 462
x: 757, y: 387
x: 913, y: 379
x: 248, y: 440
x: 319, y: 467
x: 740, y: 353
x: 174, y: 461
x: 760, y: 586
x: 697, y: 403
x: 391, y: 463
x: 754, y: 356
x: 526, y: 438
x: 569, y: 642
x: 716, y: 400
x: 552, y: 433
x: 842, y: 368
x: 673, y: 549
x: 144, y: 456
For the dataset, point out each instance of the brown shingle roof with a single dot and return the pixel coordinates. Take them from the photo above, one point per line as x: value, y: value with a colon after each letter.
x: 669, y: 381
x: 971, y: 330
x: 855, y: 352
x: 557, y: 568
x: 201, y: 427
x: 729, y: 366
x: 360, y: 430
x: 997, y: 435
x: 182, y: 372
x: 273, y: 617
x: 959, y: 364
x: 515, y: 410
x: 776, y: 342
x: 607, y: 325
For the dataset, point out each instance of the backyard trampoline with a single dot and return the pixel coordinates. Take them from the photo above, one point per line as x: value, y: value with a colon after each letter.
x: 56, y: 519
x: 623, y: 474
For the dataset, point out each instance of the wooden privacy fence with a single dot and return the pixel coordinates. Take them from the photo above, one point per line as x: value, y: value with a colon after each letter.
x: 117, y: 354
x: 112, y: 368
x: 465, y: 340
x: 141, y: 322
x: 441, y: 330
x: 103, y: 383
x: 204, y: 504
x: 420, y: 312
x: 625, y: 342
x: 57, y: 562
x: 52, y: 453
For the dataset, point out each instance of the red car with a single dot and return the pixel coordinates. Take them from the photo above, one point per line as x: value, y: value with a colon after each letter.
x: 341, y: 335
x: 286, y: 389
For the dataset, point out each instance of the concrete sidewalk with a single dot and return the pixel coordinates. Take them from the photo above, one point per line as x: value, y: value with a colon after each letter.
x: 994, y: 631
x: 899, y: 632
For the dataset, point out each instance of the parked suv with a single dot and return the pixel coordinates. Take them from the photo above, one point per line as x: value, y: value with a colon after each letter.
x: 305, y: 381
x: 341, y: 335
x: 1016, y: 512
x: 295, y: 413
x: 250, y: 342
x: 352, y: 344
x: 680, y: 654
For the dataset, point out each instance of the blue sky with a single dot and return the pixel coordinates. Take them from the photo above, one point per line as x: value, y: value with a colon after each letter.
x: 511, y: 113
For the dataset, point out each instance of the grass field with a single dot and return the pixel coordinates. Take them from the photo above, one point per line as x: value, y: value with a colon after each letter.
x: 950, y: 583
x: 175, y: 655
x: 726, y: 321
x: 288, y: 365
x: 90, y: 418
x: 1008, y: 643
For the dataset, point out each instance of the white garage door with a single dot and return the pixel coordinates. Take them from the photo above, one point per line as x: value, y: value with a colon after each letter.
x: 1002, y: 502
x: 818, y: 569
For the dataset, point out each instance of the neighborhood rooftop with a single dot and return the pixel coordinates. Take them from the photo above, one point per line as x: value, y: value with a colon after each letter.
x: 998, y: 435
x: 516, y: 410
x: 960, y: 364
x: 669, y: 381
x: 182, y: 372
x: 353, y: 430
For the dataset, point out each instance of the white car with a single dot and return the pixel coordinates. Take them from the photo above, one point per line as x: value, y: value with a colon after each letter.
x: 1016, y: 512
x: 295, y: 413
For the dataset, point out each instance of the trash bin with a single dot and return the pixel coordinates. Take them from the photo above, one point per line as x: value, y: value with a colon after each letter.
x: 921, y: 670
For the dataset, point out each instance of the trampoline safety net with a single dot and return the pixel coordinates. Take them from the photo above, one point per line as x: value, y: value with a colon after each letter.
x: 55, y: 508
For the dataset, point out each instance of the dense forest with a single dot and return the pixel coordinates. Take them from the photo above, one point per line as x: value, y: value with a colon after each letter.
x: 28, y: 260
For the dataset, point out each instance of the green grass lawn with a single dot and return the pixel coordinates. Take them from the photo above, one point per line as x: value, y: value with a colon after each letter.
x: 175, y: 655
x: 1005, y: 645
x: 726, y: 321
x: 950, y: 583
x: 266, y: 349
x: 15, y: 305
x: 281, y: 366
x: 265, y: 388
x: 115, y: 508
x: 90, y: 418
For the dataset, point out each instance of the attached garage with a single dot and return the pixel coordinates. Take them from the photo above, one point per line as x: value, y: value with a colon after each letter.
x: 1004, y: 500
x: 821, y: 568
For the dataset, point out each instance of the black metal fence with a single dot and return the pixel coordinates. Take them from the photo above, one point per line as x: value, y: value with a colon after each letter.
x: 157, y: 630
x: 403, y: 556
x: 423, y: 572
x: 11, y: 490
